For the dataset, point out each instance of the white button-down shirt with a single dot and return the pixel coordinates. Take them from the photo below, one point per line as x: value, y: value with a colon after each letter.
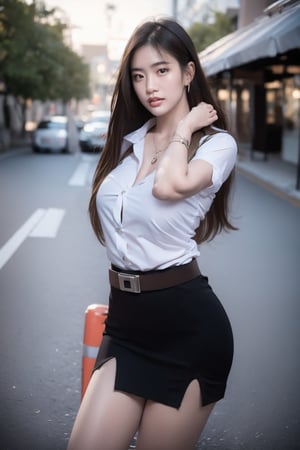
x: 144, y: 233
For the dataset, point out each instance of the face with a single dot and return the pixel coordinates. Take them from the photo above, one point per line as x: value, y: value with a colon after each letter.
x: 159, y: 81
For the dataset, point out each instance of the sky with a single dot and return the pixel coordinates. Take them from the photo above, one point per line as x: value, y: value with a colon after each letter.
x: 94, y: 23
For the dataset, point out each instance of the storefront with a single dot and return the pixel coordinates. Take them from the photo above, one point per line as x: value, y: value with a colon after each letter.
x: 256, y: 73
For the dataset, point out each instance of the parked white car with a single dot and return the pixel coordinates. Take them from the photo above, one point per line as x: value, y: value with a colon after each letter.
x: 92, y: 136
x: 51, y: 134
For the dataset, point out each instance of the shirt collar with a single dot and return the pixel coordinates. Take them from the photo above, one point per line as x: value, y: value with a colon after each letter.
x: 137, y: 135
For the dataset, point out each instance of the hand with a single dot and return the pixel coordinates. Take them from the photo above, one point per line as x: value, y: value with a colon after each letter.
x: 202, y: 115
x: 198, y: 117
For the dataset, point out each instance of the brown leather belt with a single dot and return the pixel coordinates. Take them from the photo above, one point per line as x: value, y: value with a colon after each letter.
x: 152, y: 281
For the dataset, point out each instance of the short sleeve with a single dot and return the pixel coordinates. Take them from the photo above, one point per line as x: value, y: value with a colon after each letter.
x: 220, y: 150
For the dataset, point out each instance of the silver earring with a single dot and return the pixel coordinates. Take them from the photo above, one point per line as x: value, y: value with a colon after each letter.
x: 188, y: 88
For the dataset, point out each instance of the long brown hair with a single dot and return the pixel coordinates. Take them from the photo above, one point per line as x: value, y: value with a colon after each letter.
x: 128, y: 114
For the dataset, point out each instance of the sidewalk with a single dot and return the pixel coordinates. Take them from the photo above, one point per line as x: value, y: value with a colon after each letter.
x: 274, y: 174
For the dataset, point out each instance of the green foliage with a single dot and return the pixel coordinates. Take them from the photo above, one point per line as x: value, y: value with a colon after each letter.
x: 34, y: 60
x: 204, y: 34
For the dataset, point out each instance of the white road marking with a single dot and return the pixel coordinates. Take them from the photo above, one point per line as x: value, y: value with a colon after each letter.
x: 19, y: 237
x: 49, y: 224
x: 42, y: 223
x: 80, y: 175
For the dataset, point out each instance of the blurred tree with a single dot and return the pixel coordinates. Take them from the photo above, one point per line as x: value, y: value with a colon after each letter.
x: 35, y: 63
x: 204, y: 34
x: 72, y: 76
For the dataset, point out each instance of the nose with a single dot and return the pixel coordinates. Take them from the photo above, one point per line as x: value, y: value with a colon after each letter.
x: 150, y: 85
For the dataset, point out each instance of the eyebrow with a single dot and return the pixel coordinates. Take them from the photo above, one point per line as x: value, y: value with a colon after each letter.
x: 158, y: 63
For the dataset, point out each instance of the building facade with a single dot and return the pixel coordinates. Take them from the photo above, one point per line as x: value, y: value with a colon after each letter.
x: 256, y: 72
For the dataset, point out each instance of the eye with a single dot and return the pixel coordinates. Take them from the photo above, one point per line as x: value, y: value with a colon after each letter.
x: 163, y: 70
x: 137, y: 77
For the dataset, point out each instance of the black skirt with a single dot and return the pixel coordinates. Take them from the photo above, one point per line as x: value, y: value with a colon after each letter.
x: 162, y: 340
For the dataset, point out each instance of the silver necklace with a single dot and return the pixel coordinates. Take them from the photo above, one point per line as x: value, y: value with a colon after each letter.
x: 156, y: 153
x: 155, y: 157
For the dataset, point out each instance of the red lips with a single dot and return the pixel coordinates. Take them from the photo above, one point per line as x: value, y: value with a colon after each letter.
x: 155, y: 101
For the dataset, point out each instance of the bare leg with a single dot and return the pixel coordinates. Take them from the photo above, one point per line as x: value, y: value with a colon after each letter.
x: 164, y: 428
x: 106, y: 420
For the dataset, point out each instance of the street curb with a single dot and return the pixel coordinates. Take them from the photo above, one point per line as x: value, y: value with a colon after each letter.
x: 13, y: 151
x: 292, y: 198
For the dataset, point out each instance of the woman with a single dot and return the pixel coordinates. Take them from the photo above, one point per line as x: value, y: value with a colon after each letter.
x: 161, y: 186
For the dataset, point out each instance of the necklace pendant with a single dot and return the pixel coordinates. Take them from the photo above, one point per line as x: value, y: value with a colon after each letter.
x: 153, y: 160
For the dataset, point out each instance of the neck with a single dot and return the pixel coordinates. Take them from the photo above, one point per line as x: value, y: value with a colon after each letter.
x: 166, y: 125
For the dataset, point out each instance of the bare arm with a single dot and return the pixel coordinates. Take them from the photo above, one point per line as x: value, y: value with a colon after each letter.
x: 175, y: 177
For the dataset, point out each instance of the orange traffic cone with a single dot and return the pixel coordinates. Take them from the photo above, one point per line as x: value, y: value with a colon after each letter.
x: 95, y: 316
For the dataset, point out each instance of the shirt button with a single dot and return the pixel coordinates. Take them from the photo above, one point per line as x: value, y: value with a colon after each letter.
x: 119, y: 230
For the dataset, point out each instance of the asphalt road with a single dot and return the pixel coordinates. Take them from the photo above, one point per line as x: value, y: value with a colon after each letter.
x: 53, y: 269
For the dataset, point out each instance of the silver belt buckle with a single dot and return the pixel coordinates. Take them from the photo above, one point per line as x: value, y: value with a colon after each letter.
x: 129, y: 282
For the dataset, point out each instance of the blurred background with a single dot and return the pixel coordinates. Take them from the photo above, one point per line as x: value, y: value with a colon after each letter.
x: 59, y: 58
x: 58, y: 62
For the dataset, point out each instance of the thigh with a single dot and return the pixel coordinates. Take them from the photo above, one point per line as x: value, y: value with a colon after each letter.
x: 106, y: 419
x: 163, y: 427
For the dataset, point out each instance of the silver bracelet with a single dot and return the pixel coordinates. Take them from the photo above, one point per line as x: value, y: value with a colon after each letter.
x: 181, y: 140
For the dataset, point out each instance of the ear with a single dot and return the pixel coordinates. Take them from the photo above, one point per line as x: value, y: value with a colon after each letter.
x: 189, y: 73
